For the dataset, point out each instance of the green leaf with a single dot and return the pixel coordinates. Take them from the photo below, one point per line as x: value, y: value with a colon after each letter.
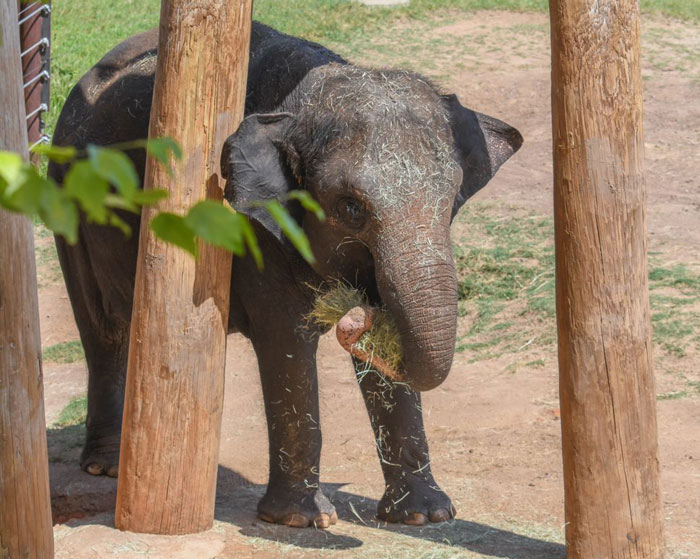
x: 25, y: 192
x: 217, y: 225
x: 59, y: 154
x: 119, y: 223
x: 115, y: 167
x: 308, y: 203
x: 173, y: 229
x: 251, y: 240
x: 59, y: 213
x: 89, y: 189
x: 291, y: 229
x: 121, y: 203
x: 149, y: 197
x: 10, y: 166
x: 162, y: 149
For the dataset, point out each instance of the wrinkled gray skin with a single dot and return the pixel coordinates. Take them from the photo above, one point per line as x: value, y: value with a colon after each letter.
x: 390, y: 161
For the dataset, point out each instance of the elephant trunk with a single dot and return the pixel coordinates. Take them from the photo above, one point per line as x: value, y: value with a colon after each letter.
x: 418, y: 284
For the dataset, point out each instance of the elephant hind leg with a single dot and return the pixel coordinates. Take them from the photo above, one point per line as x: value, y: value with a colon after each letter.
x: 107, y: 373
x: 411, y: 494
x: 106, y: 343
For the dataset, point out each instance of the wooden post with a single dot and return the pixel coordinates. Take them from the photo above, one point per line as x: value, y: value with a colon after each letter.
x: 26, y: 529
x: 175, y: 378
x: 608, y: 400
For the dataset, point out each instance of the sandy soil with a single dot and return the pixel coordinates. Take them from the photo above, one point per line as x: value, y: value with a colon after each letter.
x: 494, y: 432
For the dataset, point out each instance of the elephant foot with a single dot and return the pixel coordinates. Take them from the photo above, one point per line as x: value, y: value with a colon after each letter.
x: 298, y: 509
x: 100, y: 455
x: 415, y: 503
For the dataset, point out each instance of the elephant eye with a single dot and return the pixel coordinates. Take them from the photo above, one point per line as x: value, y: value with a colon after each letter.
x: 351, y: 212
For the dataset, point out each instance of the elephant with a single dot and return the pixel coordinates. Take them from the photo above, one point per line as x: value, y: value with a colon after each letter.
x: 390, y: 160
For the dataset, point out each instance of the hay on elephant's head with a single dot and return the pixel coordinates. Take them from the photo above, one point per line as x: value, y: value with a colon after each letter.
x: 382, y: 340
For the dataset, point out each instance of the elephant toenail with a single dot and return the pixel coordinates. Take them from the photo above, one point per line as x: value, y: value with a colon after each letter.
x: 416, y: 519
x: 440, y: 515
x: 95, y: 469
x: 113, y: 471
x: 322, y: 521
x: 295, y: 520
x: 266, y: 517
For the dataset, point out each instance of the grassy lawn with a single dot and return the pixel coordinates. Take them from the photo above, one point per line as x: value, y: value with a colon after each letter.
x: 86, y: 30
x: 74, y: 413
x: 506, y: 289
x: 64, y: 352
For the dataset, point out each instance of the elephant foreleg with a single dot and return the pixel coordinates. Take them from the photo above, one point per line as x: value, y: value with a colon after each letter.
x: 411, y: 494
x: 290, y: 391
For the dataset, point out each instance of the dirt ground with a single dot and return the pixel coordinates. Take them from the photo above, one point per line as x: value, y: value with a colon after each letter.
x: 494, y: 430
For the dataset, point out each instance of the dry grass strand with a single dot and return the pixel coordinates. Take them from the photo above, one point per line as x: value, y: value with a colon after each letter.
x: 382, y: 340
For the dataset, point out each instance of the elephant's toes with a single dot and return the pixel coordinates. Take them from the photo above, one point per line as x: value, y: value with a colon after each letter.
x: 100, y: 455
x: 415, y: 504
x: 298, y: 509
x: 301, y: 520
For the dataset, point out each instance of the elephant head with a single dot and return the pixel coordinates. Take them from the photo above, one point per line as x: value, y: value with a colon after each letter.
x: 391, y: 162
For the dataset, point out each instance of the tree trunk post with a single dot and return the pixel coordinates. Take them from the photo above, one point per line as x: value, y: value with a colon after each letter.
x: 175, y: 378
x: 608, y: 399
x: 26, y: 530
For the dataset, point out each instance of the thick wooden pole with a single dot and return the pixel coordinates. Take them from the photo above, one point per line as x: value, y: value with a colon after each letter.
x: 26, y: 530
x: 608, y: 403
x: 175, y: 379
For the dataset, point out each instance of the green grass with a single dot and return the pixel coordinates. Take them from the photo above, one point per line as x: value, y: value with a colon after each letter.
x: 678, y: 276
x: 84, y: 31
x: 538, y: 363
x: 677, y: 51
x: 692, y: 391
x: 675, y: 303
x: 688, y: 10
x: 66, y: 352
x: 73, y: 414
x: 506, y: 288
x: 506, y: 282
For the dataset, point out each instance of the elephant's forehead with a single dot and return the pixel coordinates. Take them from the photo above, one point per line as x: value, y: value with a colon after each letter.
x: 403, y: 173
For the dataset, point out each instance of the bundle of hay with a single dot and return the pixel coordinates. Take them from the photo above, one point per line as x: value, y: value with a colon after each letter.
x: 367, y: 332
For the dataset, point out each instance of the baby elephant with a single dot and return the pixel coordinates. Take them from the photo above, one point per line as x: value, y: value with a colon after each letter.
x: 390, y: 160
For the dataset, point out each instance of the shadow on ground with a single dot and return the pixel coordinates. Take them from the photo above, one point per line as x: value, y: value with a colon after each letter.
x: 238, y: 508
x: 75, y: 494
x: 78, y: 496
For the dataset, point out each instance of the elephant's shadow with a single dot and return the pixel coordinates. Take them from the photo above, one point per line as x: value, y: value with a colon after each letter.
x: 78, y: 496
x: 238, y: 507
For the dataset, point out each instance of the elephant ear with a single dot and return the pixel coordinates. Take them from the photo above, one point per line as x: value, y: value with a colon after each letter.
x: 256, y: 167
x: 482, y: 145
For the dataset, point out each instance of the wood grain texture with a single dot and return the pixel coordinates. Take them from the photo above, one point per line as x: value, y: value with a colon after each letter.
x: 175, y: 378
x: 26, y: 529
x: 608, y: 400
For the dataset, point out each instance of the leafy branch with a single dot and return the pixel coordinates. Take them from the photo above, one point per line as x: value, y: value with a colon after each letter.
x: 220, y: 225
x: 102, y: 180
